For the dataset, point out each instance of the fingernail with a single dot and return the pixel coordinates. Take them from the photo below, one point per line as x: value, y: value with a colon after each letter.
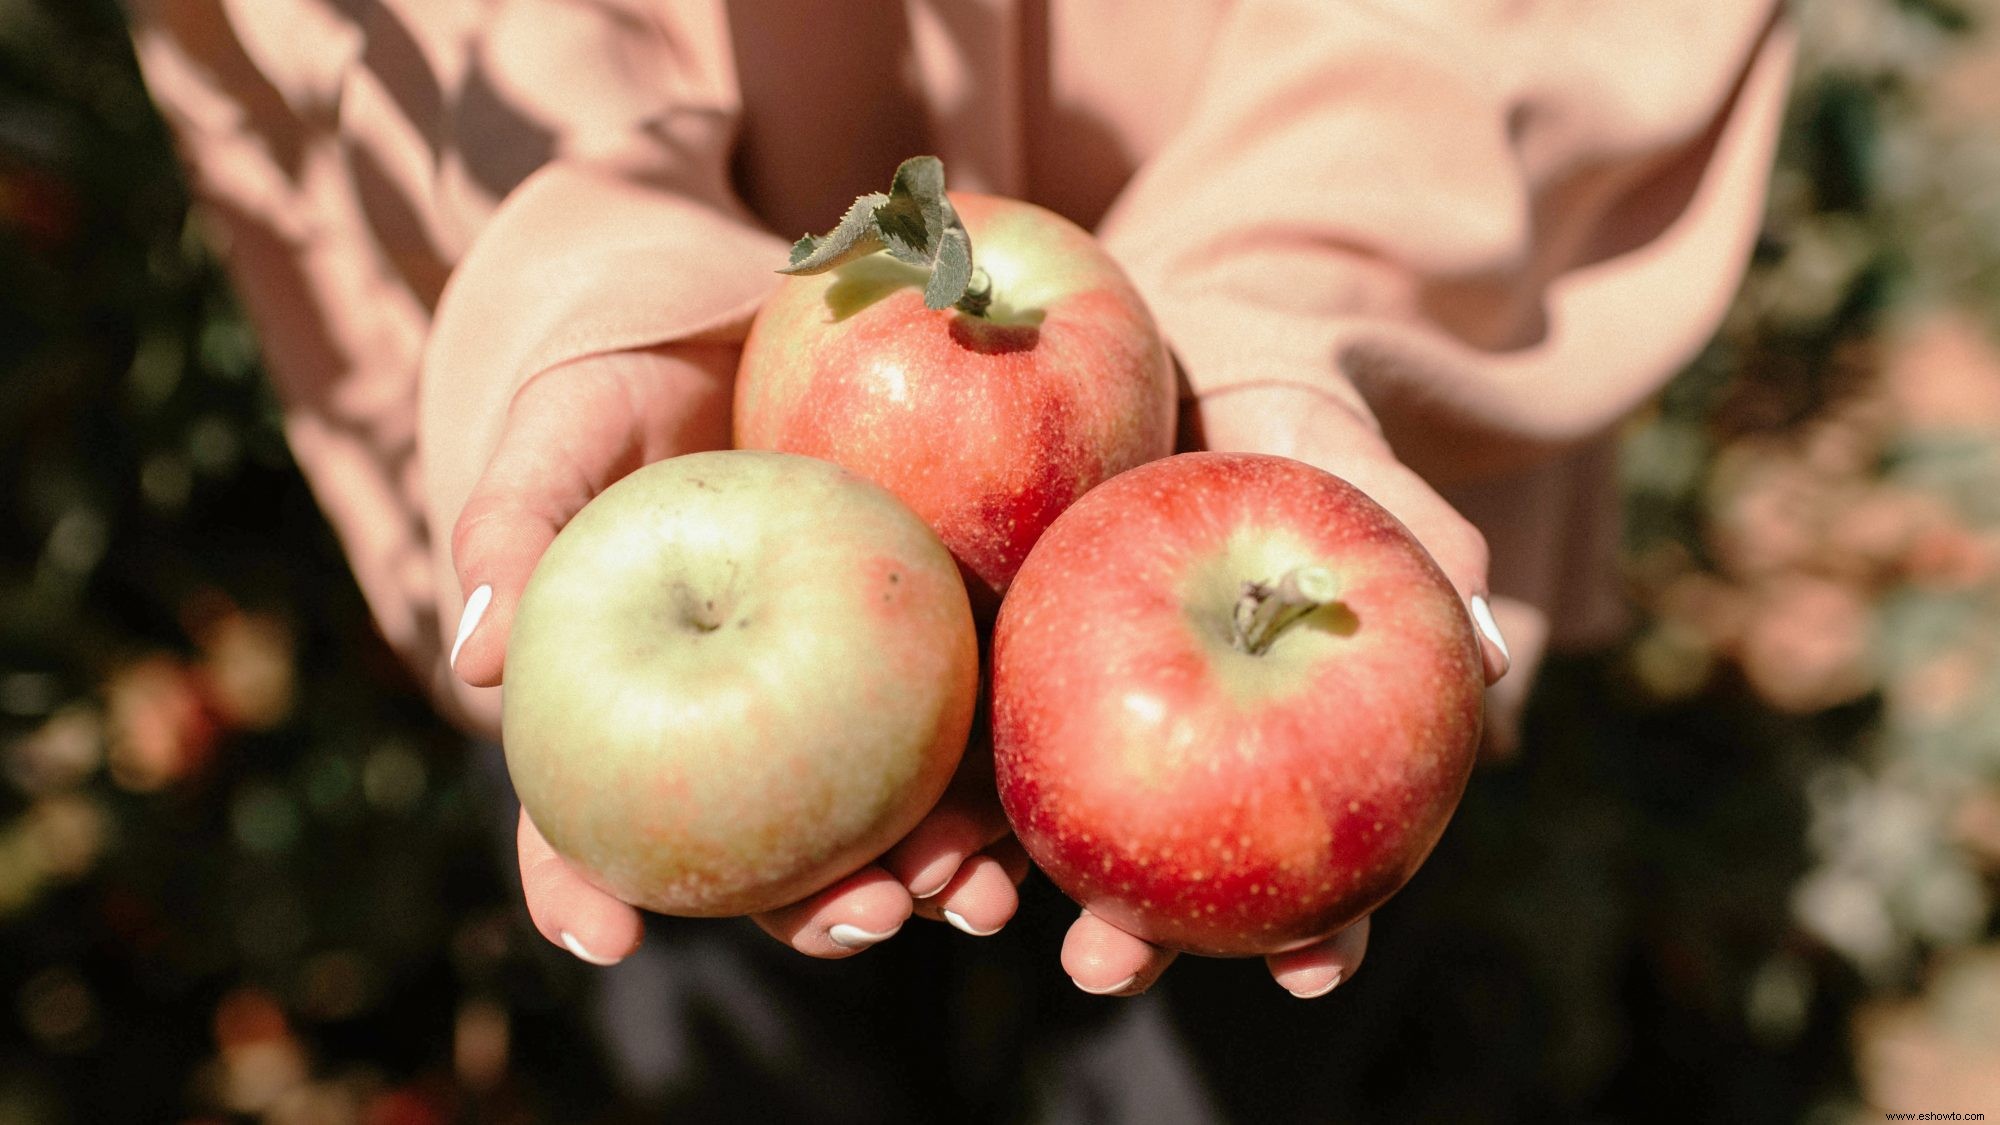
x: 574, y: 946
x: 854, y: 937
x: 1482, y: 616
x: 936, y: 877
x: 1310, y: 993
x: 1108, y: 991
x: 475, y: 608
x: 958, y: 921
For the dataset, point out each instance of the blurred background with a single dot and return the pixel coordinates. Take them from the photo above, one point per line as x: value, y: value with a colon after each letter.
x: 1744, y: 868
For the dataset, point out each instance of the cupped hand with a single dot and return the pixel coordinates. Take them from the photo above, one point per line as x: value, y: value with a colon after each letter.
x: 1318, y: 428
x: 569, y: 434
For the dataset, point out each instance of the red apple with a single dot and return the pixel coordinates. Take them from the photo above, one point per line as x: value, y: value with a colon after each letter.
x: 988, y: 423
x: 734, y: 678
x: 1234, y: 703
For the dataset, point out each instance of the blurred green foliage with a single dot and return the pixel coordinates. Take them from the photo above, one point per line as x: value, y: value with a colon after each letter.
x: 1744, y: 868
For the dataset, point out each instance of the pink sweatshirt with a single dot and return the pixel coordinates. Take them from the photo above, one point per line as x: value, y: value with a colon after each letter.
x: 1496, y: 226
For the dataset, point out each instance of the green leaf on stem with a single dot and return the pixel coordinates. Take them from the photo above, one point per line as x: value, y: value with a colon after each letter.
x: 914, y: 222
x: 854, y: 237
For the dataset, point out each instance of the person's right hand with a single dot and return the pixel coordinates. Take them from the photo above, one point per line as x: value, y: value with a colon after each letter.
x: 570, y: 433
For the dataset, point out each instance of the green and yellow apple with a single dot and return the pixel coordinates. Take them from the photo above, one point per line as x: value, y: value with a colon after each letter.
x: 734, y: 678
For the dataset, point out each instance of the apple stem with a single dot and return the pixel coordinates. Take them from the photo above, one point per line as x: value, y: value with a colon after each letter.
x: 978, y: 294
x: 1266, y: 608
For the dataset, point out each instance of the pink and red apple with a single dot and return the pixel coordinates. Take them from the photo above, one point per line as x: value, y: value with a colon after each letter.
x: 987, y: 423
x: 1234, y: 703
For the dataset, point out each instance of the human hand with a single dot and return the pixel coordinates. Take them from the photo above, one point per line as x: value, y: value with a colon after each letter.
x: 570, y: 433
x: 1321, y: 430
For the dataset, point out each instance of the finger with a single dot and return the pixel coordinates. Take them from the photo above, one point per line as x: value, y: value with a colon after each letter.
x: 1104, y: 960
x: 1318, y: 969
x: 862, y: 910
x: 569, y: 911
x: 1453, y: 543
x: 980, y: 899
x: 570, y: 433
x: 1527, y: 632
x: 1014, y: 864
x: 966, y: 819
x: 1492, y: 645
x: 1013, y: 858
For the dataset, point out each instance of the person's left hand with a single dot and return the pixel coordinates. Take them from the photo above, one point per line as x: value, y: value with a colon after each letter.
x: 1319, y: 429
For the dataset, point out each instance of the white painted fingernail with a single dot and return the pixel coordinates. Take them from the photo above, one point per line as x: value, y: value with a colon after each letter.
x: 1107, y: 991
x: 574, y: 946
x: 1482, y: 616
x: 1332, y: 983
x: 475, y: 608
x: 943, y: 871
x: 958, y: 921
x: 854, y: 937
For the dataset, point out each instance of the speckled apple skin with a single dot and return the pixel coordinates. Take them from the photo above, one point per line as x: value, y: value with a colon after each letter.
x: 734, y: 678
x: 987, y: 426
x: 1206, y: 799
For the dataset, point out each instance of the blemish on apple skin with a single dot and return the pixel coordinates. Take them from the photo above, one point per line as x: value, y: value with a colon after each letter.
x: 988, y: 338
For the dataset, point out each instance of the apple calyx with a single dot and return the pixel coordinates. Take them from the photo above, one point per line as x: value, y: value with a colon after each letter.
x: 1266, y: 608
x: 916, y: 224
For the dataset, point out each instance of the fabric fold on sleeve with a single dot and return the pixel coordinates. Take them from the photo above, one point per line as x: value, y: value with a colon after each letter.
x: 1494, y: 229
x: 1491, y: 230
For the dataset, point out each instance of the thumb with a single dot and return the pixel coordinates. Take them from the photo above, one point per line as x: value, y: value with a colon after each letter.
x: 570, y: 433
x: 1454, y: 543
x: 500, y: 535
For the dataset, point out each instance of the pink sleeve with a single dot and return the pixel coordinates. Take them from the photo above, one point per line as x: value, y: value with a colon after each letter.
x: 1493, y: 228
x: 578, y: 261
x: 563, y: 166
